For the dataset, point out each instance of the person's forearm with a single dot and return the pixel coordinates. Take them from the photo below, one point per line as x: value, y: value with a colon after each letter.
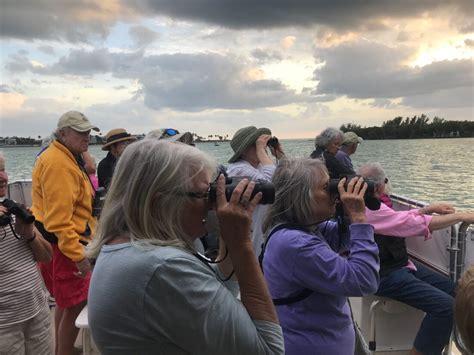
x: 41, y: 248
x: 442, y: 221
x: 263, y: 157
x: 253, y: 290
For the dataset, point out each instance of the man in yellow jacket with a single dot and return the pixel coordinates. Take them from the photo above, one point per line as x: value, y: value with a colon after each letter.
x: 62, y: 197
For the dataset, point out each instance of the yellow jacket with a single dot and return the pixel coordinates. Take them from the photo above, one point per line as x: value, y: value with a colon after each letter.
x: 62, y: 199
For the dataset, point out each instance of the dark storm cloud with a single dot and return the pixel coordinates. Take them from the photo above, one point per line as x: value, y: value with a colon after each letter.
x: 341, y: 14
x: 53, y: 19
x: 80, y: 20
x: 364, y: 70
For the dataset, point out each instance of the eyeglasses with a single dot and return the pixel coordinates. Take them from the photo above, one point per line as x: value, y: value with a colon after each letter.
x: 386, y: 180
x: 198, y: 195
x: 169, y: 132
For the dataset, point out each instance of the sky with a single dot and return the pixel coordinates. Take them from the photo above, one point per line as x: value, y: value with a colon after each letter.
x: 213, y: 66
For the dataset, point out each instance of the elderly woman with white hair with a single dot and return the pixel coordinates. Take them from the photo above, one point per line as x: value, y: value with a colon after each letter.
x: 327, y: 144
x: 308, y: 278
x: 408, y: 281
x: 150, y: 292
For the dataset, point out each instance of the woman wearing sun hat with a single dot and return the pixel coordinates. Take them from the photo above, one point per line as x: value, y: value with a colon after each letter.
x: 117, y: 140
x: 251, y: 160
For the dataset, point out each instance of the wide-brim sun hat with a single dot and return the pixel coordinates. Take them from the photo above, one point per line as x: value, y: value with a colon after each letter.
x: 352, y: 138
x: 77, y: 121
x: 117, y: 135
x: 244, y: 138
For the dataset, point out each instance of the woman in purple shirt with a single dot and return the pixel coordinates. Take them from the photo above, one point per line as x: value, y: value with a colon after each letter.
x: 308, y: 279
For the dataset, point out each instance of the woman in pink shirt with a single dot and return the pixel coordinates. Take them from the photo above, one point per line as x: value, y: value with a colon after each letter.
x: 411, y: 282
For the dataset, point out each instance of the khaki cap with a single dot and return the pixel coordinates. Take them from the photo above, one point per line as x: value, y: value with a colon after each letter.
x: 77, y: 121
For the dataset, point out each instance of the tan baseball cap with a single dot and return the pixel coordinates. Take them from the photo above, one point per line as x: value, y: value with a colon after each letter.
x: 77, y: 121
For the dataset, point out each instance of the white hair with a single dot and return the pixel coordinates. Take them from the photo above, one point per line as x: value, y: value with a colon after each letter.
x: 148, y: 192
x: 327, y: 136
x: 376, y: 173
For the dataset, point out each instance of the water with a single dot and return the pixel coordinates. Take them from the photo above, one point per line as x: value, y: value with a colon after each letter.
x: 427, y: 170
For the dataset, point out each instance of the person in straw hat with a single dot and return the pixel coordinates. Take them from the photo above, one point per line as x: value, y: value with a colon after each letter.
x: 117, y: 140
x: 251, y: 160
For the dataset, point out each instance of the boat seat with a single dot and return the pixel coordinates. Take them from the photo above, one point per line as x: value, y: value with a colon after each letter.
x: 82, y: 322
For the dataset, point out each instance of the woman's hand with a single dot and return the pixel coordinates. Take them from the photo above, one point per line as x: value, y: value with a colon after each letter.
x: 3, y: 210
x: 439, y: 208
x: 353, y: 198
x: 235, y: 215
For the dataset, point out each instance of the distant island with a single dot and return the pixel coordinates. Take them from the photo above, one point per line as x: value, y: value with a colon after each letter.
x: 15, y: 141
x: 415, y: 127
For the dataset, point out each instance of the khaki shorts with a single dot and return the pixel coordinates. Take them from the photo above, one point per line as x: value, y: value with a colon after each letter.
x: 32, y: 336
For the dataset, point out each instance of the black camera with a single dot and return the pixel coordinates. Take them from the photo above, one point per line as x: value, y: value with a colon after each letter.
x: 98, y: 201
x: 17, y: 210
x: 265, y: 187
x: 273, y: 142
x: 334, y: 182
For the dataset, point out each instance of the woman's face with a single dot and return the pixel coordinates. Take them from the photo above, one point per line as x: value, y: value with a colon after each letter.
x: 195, y: 210
x: 324, y: 203
x: 333, y: 147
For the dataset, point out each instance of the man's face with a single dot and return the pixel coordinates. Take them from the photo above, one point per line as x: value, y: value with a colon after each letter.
x: 118, y: 148
x: 3, y: 178
x: 76, y: 142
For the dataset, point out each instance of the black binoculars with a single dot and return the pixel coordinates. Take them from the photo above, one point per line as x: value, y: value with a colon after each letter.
x: 16, y: 209
x: 265, y: 187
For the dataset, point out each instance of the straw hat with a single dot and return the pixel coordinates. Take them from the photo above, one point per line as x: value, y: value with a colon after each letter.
x: 117, y: 135
x: 244, y: 138
x: 77, y: 121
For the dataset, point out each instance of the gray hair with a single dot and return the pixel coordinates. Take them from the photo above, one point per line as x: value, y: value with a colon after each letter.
x: 2, y: 156
x: 147, y: 194
x: 48, y: 139
x: 376, y: 173
x: 294, y: 201
x: 327, y: 136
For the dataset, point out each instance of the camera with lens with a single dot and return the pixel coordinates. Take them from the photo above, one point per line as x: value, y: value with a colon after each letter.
x: 98, y: 201
x: 334, y: 182
x: 273, y: 142
x: 16, y: 209
x: 265, y: 187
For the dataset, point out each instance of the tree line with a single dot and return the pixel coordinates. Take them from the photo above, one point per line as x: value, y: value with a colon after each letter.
x: 413, y: 127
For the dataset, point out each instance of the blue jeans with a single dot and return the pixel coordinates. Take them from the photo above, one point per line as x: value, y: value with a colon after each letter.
x: 429, y: 292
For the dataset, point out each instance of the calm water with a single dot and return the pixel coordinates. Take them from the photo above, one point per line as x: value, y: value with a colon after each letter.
x: 427, y: 169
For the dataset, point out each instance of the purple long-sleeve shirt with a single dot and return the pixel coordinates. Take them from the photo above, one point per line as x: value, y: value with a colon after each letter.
x: 295, y: 260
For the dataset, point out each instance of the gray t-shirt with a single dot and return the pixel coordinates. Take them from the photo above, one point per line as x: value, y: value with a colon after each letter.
x: 163, y: 300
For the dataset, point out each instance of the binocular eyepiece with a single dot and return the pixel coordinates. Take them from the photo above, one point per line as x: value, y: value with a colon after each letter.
x: 265, y: 187
x: 334, y: 182
x: 273, y: 142
x: 17, y: 210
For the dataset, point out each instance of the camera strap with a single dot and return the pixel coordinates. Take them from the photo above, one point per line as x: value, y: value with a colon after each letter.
x: 305, y: 292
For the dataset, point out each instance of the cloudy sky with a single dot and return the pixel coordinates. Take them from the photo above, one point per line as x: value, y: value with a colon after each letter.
x: 212, y: 66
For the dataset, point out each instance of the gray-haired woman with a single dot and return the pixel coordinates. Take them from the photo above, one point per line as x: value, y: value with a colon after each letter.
x: 150, y: 292
x: 327, y: 144
x: 308, y: 278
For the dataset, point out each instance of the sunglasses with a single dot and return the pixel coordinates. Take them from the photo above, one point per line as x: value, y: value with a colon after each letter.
x: 169, y: 132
